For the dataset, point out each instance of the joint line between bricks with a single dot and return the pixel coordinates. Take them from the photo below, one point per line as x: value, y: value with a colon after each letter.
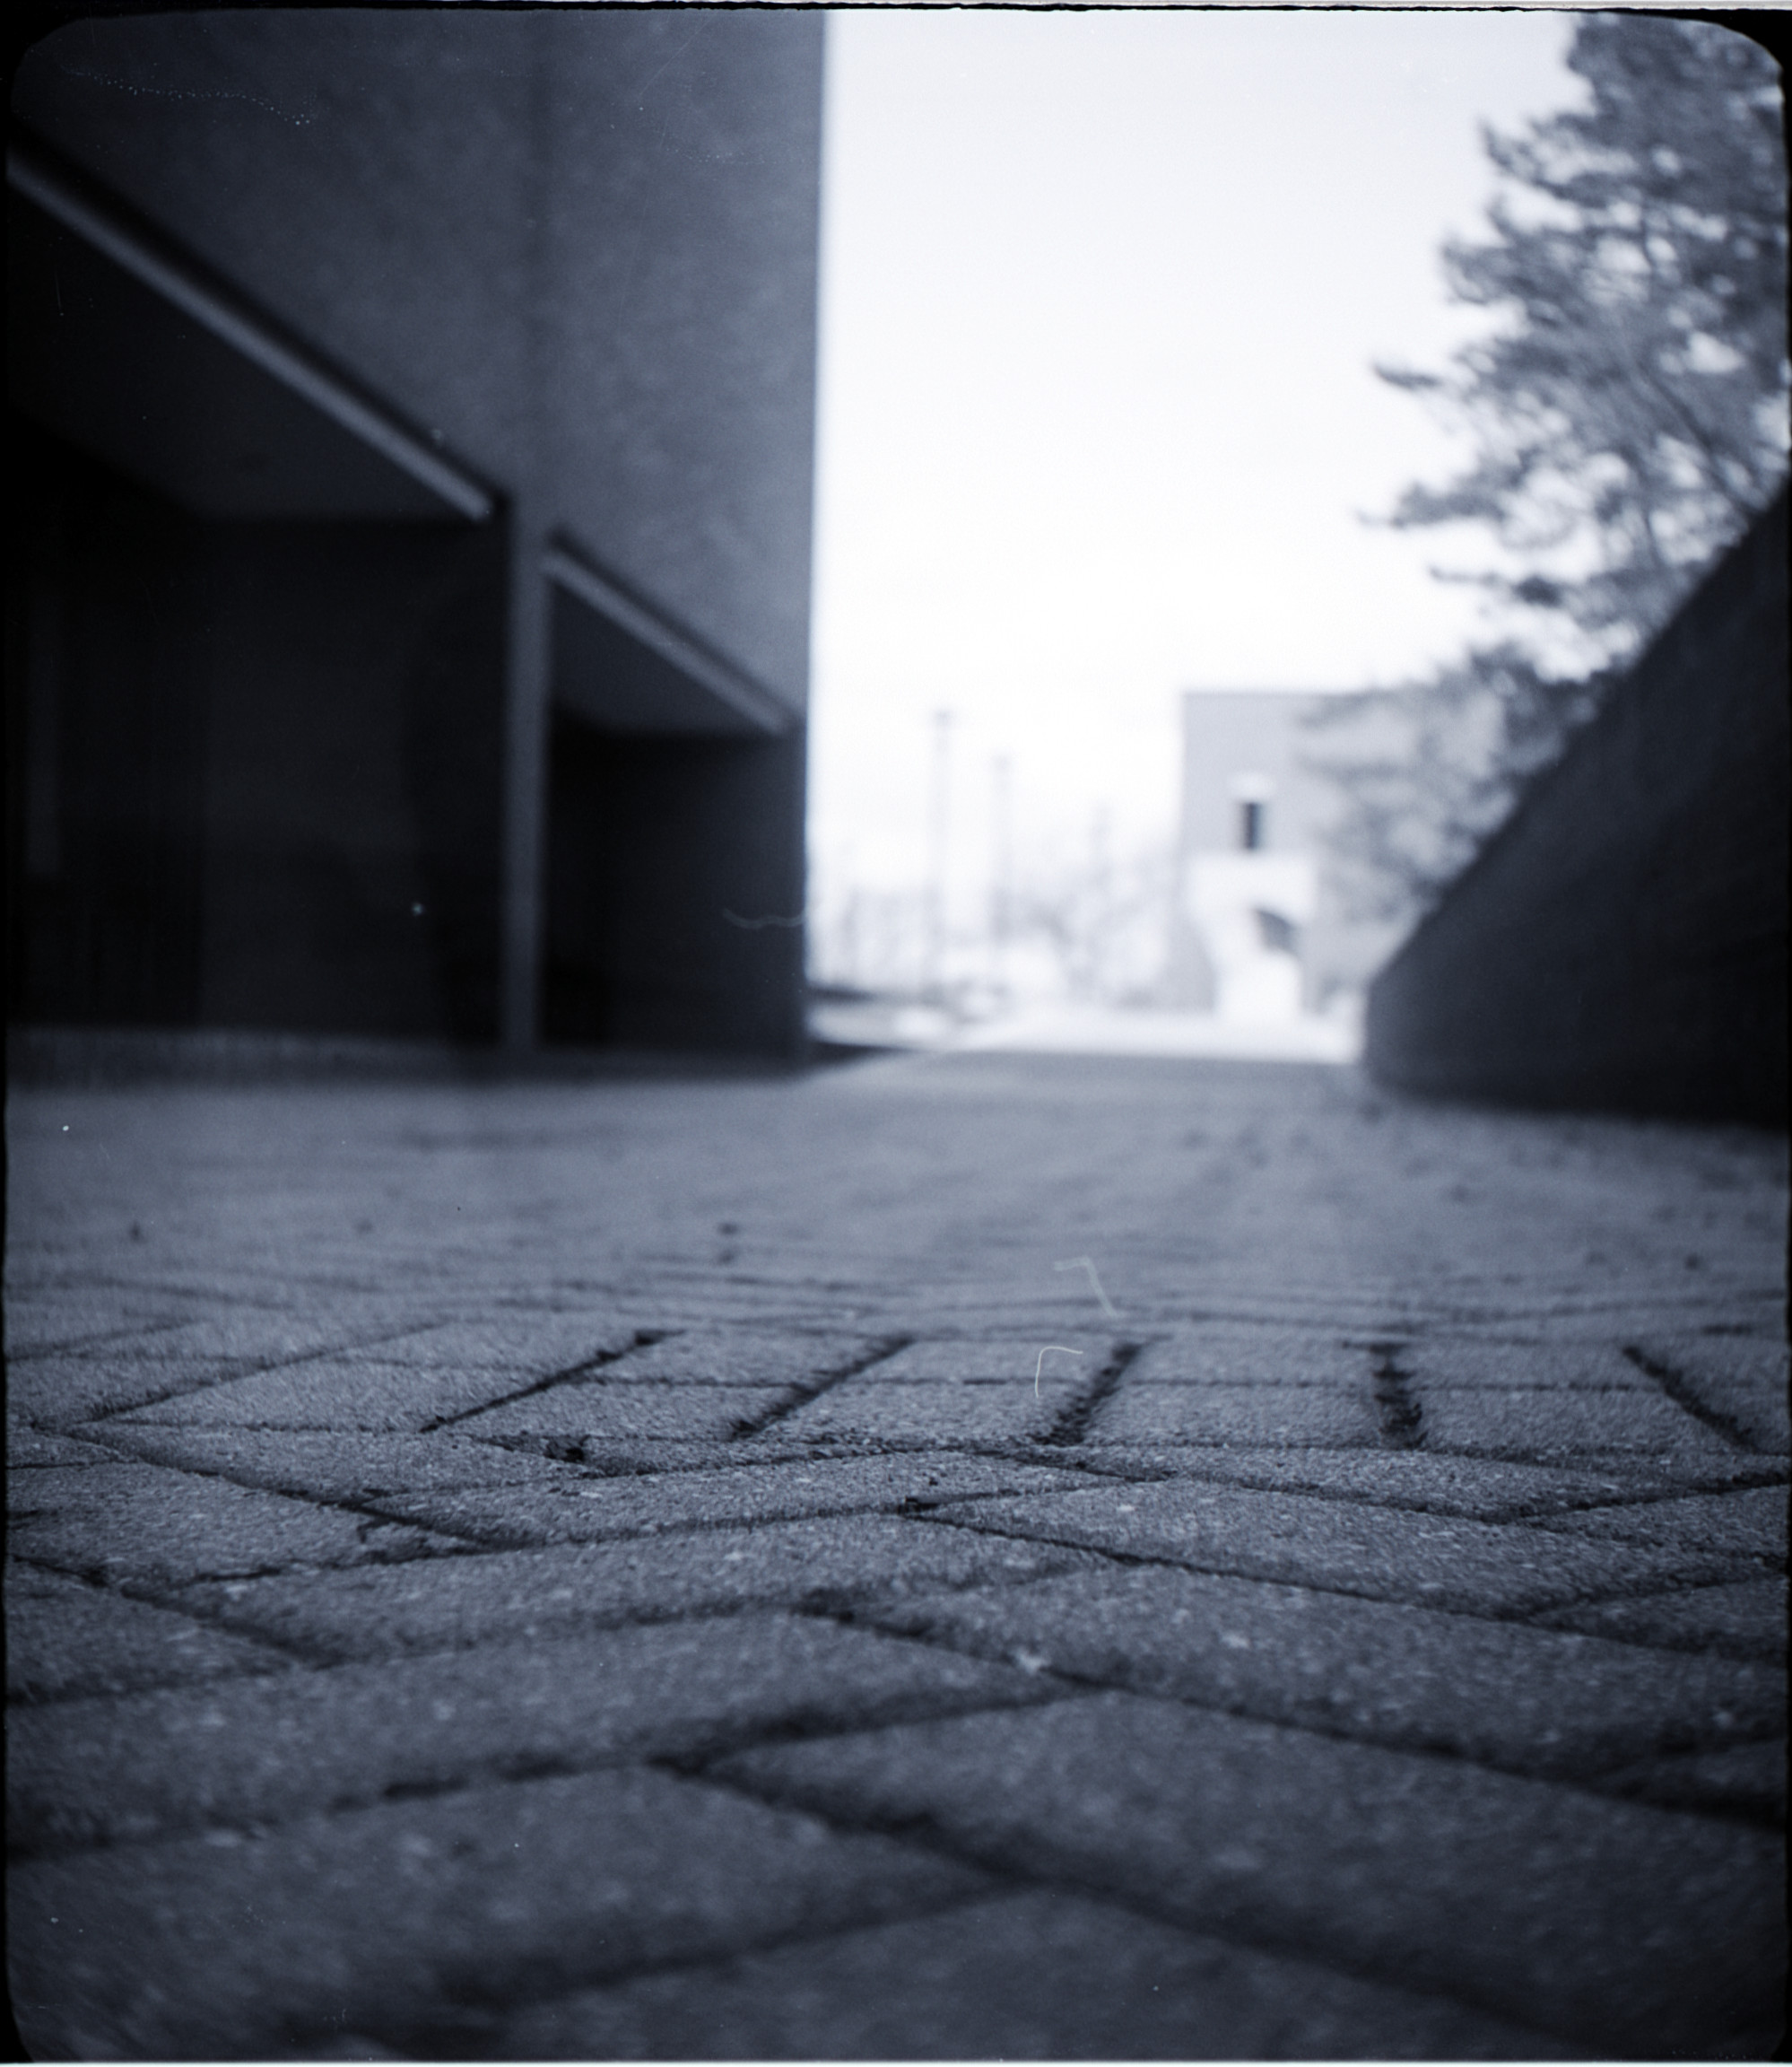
x: 803, y: 1394
x: 483, y: 1543
x: 1681, y: 1392
x: 1069, y: 1428
x: 895, y: 1509
x: 348, y: 1504
x: 1525, y: 1616
x: 494, y: 1774
x: 924, y: 1834
x: 642, y: 1339
x: 426, y: 2032
x: 1766, y: 1474
x: 254, y: 1371
x: 1087, y: 1684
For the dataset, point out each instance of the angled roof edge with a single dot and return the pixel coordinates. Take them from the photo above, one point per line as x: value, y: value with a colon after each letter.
x: 571, y: 569
x: 34, y: 172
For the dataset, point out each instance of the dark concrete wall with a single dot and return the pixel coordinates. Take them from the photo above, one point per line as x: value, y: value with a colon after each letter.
x: 273, y: 796
x: 580, y: 246
x: 665, y: 860
x: 351, y: 800
x: 106, y: 749
x: 1621, y: 942
x: 576, y: 253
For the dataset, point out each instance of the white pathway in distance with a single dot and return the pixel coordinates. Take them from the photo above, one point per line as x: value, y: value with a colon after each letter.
x: 1100, y: 1030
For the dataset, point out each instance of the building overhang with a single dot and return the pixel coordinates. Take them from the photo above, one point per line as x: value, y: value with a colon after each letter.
x: 624, y: 667
x: 132, y: 350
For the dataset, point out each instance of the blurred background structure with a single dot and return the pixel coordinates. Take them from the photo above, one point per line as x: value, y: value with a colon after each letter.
x: 1149, y: 454
x: 414, y: 418
x: 417, y: 418
x: 1260, y: 930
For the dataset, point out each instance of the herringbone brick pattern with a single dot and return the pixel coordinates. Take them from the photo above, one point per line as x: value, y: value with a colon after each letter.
x: 955, y: 1557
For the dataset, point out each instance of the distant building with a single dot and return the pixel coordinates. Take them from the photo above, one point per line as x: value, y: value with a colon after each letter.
x: 411, y: 420
x: 1259, y: 933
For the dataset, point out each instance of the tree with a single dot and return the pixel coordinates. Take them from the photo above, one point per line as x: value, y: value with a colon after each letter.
x: 1101, y: 919
x: 1626, y: 408
x: 1447, y: 759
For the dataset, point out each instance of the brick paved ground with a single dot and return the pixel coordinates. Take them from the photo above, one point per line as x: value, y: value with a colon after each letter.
x: 603, y: 1570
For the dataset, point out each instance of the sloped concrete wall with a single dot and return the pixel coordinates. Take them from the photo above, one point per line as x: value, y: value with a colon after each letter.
x: 1619, y: 945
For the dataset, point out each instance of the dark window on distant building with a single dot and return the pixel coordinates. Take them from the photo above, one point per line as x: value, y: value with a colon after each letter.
x: 1253, y: 826
x: 1276, y: 933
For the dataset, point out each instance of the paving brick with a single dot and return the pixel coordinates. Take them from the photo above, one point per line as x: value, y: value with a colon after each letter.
x: 1550, y: 1422
x: 527, y: 1345
x: 648, y: 1456
x: 1219, y: 1355
x: 95, y: 1772
x: 1037, y: 1975
x: 27, y: 1447
x: 1747, y: 1780
x: 162, y: 1366
x: 1523, y: 1698
x: 990, y: 1360
x: 441, y: 1603
x: 335, y: 1392
x: 67, y: 1319
x: 1751, y: 1524
x: 331, y: 1464
x: 588, y: 1508
x: 59, y: 1392
x: 880, y: 1410
x: 1346, y: 1547
x: 1740, y: 1378
x: 142, y: 1525
x: 243, y: 1338
x: 742, y: 1356
x: 1742, y: 1619
x: 1614, y: 1925
x: 64, y: 1639
x: 1482, y: 1489
x: 1598, y: 1366
x: 1268, y: 1238
x: 233, y: 1947
x: 603, y: 1411
x: 1211, y: 1412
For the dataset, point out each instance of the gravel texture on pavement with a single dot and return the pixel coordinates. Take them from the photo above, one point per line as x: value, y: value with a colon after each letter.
x: 947, y: 1557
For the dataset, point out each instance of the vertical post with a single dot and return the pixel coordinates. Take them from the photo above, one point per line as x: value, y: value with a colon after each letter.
x: 530, y: 514
x: 1002, y: 864
x: 938, y: 808
x: 526, y: 722
x: 1184, y: 957
x: 1101, y: 905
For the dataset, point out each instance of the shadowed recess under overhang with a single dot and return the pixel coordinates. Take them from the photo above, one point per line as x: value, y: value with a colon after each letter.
x: 127, y: 347
x: 621, y: 666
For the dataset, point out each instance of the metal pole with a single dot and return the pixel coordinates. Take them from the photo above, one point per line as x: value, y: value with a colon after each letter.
x: 1001, y: 888
x: 937, y: 834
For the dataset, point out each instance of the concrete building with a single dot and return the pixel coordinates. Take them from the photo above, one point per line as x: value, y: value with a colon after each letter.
x: 412, y: 413
x: 1260, y: 932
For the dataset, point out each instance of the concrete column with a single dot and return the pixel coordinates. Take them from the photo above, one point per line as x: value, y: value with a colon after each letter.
x: 526, y: 742
x: 527, y: 657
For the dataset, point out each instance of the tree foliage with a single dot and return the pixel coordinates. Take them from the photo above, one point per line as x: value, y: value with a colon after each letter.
x: 1446, y: 760
x: 1626, y: 408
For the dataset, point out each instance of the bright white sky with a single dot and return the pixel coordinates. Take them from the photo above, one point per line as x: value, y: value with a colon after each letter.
x: 1100, y: 296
